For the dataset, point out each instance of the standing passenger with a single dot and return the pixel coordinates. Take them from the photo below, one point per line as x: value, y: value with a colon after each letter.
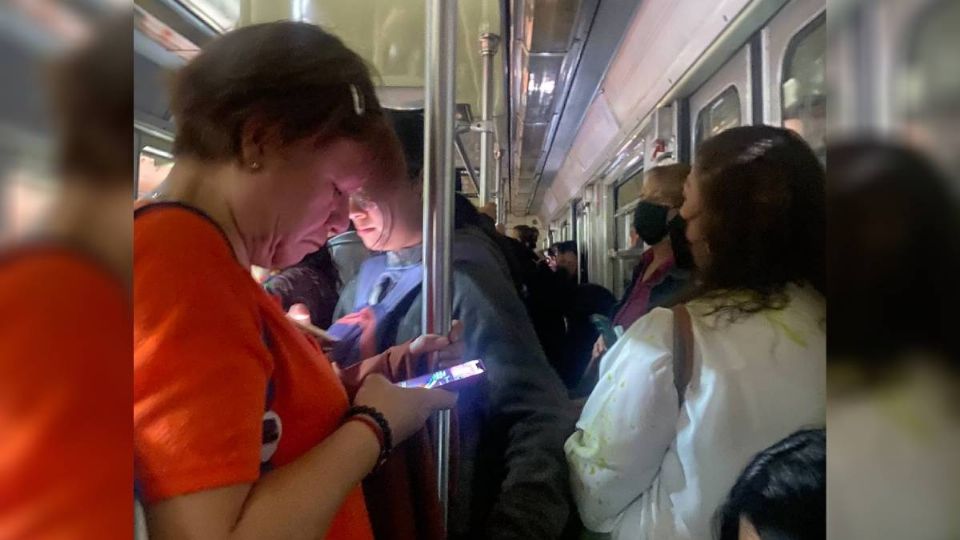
x: 663, y: 270
x: 511, y: 480
x: 755, y: 341
x: 65, y: 326
x: 241, y: 427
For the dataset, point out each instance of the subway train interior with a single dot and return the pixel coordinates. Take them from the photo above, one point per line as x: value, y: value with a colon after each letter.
x: 634, y: 193
x: 584, y: 95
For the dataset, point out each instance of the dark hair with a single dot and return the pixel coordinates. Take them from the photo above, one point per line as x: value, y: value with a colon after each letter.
x: 408, y: 125
x: 568, y: 246
x: 527, y: 235
x: 313, y: 281
x: 782, y: 492
x: 895, y: 234
x: 93, y: 99
x: 764, y: 217
x: 292, y: 76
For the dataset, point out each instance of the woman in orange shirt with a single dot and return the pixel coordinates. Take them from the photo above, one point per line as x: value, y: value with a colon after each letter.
x: 241, y: 427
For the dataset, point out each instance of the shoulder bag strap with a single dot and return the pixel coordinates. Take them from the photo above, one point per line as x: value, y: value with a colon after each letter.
x: 682, y: 349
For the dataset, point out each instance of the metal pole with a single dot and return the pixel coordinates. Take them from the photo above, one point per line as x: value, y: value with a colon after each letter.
x: 488, y: 49
x: 498, y: 177
x: 458, y: 143
x: 439, y: 126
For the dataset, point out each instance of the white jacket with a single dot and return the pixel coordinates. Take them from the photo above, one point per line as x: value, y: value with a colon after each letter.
x: 641, y: 467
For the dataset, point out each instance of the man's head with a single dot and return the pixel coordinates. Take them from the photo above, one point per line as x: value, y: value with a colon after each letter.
x: 567, y: 260
x: 526, y: 235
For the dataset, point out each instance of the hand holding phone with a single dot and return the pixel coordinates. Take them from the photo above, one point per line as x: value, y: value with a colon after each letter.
x: 446, y: 377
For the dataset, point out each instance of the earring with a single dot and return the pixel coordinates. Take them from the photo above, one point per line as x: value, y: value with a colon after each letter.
x: 255, y: 166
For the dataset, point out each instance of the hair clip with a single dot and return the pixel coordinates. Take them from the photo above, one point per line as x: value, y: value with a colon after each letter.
x: 358, y: 105
x: 756, y: 150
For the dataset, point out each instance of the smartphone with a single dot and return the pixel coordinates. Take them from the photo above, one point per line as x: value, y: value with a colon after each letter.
x: 446, y: 377
x: 605, y: 327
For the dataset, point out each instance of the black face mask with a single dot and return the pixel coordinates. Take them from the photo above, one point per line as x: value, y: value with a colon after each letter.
x: 650, y: 222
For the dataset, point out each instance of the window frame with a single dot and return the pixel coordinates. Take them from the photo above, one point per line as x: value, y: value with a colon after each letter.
x: 808, y: 28
x: 711, y: 104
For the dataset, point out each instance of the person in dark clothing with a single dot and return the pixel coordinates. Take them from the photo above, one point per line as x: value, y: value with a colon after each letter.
x: 527, y: 236
x: 577, y: 303
x: 540, y: 294
x: 510, y: 473
x: 314, y: 282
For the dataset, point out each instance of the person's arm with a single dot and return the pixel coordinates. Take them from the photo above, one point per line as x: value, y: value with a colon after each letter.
x: 300, y: 499
x: 526, y: 398
x: 295, y: 501
x: 627, y: 424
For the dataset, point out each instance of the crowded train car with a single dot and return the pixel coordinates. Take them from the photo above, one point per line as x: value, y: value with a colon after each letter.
x: 600, y: 223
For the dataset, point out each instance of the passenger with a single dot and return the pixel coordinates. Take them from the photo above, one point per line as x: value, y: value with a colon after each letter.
x: 781, y: 495
x: 577, y: 302
x: 895, y: 238
x: 241, y: 427
x: 526, y: 235
x: 566, y: 261
x: 511, y: 478
x: 65, y: 336
x: 348, y: 252
x: 663, y: 270
x: 314, y: 282
x: 744, y: 357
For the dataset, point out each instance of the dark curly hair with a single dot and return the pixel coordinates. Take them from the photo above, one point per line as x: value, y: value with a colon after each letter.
x: 763, y: 218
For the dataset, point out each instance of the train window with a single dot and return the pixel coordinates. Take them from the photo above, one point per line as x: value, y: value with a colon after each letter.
x: 928, y: 93
x: 154, y: 166
x: 624, y: 222
x: 629, y: 191
x: 720, y: 114
x: 803, y: 95
x: 625, y: 196
x: 220, y: 14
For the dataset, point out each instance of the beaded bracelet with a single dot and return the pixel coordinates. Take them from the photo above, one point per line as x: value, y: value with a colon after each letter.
x: 364, y: 414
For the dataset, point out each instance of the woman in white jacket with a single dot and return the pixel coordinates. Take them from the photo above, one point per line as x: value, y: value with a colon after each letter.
x: 655, y: 453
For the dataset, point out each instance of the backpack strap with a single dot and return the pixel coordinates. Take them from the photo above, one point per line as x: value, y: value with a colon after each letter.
x: 682, y: 350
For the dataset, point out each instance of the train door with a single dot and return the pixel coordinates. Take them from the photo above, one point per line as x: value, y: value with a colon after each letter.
x: 723, y: 101
x: 795, y: 64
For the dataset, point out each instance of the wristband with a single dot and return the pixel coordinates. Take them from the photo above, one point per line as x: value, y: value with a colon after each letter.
x: 370, y: 416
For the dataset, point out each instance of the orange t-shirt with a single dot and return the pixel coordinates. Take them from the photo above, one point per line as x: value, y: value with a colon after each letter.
x: 202, y: 365
x: 65, y: 433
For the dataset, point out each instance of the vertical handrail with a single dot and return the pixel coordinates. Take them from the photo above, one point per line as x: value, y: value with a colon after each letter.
x: 439, y: 126
x: 488, y: 49
x: 498, y: 178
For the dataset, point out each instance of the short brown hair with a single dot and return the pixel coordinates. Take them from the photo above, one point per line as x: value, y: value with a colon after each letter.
x: 664, y: 184
x: 294, y: 76
x: 93, y: 101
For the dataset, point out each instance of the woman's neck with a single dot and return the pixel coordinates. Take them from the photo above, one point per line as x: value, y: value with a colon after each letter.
x: 662, y: 250
x: 97, y: 219
x: 194, y: 183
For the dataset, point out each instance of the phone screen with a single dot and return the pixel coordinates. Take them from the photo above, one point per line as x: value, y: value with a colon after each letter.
x: 446, y: 376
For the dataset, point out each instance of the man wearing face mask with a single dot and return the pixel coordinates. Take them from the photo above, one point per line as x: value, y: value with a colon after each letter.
x: 663, y: 270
